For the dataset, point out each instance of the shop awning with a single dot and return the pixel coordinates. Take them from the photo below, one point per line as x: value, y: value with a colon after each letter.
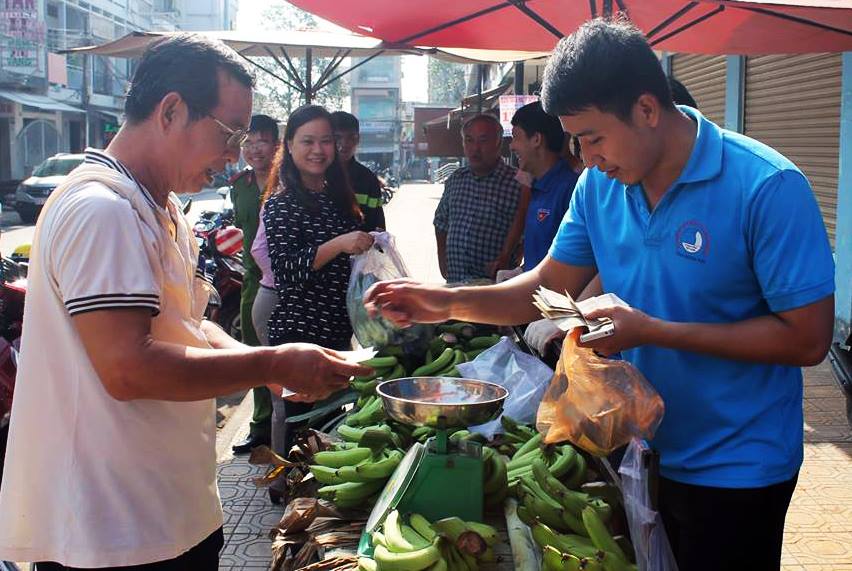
x: 443, y: 134
x: 38, y: 101
x: 698, y: 26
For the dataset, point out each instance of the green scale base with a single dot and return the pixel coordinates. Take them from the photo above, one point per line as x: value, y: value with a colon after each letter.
x: 437, y: 480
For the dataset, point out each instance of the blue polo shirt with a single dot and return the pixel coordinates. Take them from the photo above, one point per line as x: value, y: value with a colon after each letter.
x: 551, y: 195
x: 738, y: 235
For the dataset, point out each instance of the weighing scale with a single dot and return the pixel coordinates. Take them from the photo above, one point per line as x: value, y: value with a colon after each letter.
x: 440, y: 478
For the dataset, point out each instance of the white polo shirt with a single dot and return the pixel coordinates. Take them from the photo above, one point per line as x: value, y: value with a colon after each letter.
x: 91, y: 481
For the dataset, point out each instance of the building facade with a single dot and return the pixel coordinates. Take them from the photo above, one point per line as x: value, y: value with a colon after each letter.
x: 375, y: 101
x: 52, y: 102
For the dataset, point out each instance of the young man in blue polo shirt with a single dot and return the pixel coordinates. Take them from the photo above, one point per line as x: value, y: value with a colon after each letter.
x: 716, y: 243
x: 537, y: 140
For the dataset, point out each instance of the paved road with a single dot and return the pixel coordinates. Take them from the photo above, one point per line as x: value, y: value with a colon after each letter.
x: 409, y: 218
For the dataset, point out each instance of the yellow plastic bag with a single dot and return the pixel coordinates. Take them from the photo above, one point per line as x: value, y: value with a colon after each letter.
x: 596, y: 403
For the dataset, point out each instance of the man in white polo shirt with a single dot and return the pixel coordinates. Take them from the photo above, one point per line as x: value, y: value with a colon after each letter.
x: 111, y: 456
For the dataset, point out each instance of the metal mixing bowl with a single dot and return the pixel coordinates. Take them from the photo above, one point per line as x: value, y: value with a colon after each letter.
x: 421, y: 401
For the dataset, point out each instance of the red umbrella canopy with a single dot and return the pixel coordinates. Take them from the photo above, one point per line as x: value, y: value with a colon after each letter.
x: 701, y: 26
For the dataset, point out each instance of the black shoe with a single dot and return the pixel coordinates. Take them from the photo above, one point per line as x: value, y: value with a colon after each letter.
x: 275, y: 496
x: 245, y: 446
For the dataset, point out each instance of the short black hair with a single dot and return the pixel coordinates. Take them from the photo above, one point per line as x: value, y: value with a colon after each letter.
x: 343, y: 121
x: 187, y: 64
x: 264, y: 124
x: 532, y: 119
x: 606, y: 63
x: 680, y: 94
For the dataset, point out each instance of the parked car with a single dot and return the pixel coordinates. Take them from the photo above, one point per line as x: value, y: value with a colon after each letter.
x: 33, y: 192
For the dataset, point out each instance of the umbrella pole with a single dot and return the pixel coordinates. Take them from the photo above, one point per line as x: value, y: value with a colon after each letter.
x: 309, y: 60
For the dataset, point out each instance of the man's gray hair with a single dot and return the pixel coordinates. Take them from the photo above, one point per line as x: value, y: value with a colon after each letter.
x: 486, y: 117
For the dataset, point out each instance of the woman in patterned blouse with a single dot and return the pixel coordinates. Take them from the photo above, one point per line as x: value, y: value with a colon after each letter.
x: 311, y: 229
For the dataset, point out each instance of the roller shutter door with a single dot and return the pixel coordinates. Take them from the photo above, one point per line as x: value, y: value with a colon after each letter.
x: 792, y: 103
x: 704, y: 77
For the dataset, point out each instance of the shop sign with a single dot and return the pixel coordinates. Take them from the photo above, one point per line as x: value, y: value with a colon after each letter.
x: 22, y: 36
x: 508, y: 105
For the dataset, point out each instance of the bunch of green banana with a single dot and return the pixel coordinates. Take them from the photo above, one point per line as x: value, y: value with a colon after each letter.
x: 384, y: 369
x: 455, y: 336
x: 352, y: 476
x: 422, y: 433
x: 371, y: 412
x: 374, y: 435
x: 515, y: 435
x: 444, y: 365
x: 459, y: 328
x: 571, y: 522
x: 352, y: 494
x: 402, y: 546
x: 543, y: 496
x: 495, y: 484
x: 468, y: 543
x: 565, y: 552
x: 562, y: 461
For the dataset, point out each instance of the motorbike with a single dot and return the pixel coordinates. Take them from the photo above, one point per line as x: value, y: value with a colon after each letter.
x: 389, y: 184
x: 222, y: 267
x: 13, y: 289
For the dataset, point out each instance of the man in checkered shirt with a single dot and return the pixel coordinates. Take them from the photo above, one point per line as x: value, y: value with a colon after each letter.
x: 478, y: 206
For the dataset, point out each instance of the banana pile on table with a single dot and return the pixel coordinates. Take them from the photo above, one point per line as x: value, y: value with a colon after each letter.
x: 567, y: 514
x: 415, y: 544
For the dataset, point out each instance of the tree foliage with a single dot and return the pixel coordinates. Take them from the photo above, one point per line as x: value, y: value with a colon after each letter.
x: 446, y: 82
x: 272, y: 96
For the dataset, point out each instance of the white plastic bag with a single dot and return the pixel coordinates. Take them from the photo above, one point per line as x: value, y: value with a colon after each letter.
x: 381, y: 262
x: 523, y: 375
x: 653, y: 552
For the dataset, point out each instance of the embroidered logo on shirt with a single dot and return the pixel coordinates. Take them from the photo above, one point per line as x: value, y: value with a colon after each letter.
x: 542, y: 214
x: 692, y: 240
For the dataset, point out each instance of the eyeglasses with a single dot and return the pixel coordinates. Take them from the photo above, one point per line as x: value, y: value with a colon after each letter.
x: 236, y: 138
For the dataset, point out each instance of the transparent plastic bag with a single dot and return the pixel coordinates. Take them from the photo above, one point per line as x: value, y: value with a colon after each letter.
x: 523, y: 375
x: 596, y: 403
x: 653, y: 551
x: 381, y: 262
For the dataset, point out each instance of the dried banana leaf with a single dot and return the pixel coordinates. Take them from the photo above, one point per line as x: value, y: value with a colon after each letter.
x: 271, y: 476
x: 265, y: 455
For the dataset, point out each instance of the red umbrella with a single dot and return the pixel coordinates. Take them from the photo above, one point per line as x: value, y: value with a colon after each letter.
x: 700, y: 26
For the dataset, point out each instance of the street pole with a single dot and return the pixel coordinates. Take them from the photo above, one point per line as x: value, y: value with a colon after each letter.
x: 84, y: 99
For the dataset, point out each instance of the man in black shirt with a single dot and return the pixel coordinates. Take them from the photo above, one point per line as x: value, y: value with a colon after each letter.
x: 368, y: 189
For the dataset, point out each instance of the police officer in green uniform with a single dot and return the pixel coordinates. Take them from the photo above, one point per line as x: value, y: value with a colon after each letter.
x: 246, y: 190
x: 368, y: 189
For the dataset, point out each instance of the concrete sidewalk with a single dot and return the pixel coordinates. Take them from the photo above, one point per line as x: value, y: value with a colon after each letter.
x: 818, y: 535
